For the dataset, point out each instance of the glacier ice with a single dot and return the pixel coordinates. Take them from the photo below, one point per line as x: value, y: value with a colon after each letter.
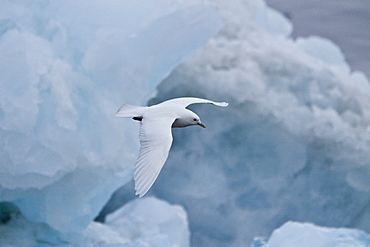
x: 66, y: 66
x: 293, y: 234
x: 292, y: 146
x: 142, y: 222
x: 271, y: 20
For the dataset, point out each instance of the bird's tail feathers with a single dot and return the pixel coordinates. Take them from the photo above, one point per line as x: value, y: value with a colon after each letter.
x: 127, y: 110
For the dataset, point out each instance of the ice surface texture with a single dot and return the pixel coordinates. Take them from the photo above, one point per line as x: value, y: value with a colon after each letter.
x: 140, y: 223
x: 66, y: 66
x: 292, y: 145
x: 293, y: 234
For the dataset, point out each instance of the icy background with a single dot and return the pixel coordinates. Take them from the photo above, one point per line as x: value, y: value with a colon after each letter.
x: 344, y: 22
x: 293, y: 234
x: 292, y: 146
x: 66, y: 67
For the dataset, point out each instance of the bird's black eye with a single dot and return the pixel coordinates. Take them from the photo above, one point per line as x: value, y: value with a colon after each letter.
x: 195, y: 119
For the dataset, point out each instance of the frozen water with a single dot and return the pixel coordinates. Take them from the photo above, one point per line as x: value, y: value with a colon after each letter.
x: 142, y: 222
x: 293, y: 234
x: 150, y: 218
x: 344, y: 22
x: 293, y: 145
x: 66, y: 67
x: 271, y: 20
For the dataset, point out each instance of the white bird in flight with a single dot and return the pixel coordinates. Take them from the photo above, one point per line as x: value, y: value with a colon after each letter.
x: 156, y: 136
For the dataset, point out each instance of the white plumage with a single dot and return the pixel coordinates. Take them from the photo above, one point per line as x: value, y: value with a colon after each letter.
x: 156, y: 136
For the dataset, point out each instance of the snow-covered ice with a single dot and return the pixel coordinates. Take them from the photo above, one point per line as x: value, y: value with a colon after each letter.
x: 292, y: 146
x: 142, y: 222
x: 293, y: 234
x: 65, y: 67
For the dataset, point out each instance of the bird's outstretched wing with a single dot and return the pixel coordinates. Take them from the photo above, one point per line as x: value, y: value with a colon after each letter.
x: 127, y: 110
x: 185, y: 101
x: 155, y: 141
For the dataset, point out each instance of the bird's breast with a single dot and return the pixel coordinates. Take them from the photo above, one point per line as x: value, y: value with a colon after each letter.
x: 180, y: 123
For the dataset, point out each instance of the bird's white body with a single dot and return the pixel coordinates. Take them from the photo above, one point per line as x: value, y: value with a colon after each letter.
x: 156, y: 136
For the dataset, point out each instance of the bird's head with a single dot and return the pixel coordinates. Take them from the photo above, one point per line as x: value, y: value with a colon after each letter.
x: 196, y: 121
x: 188, y: 118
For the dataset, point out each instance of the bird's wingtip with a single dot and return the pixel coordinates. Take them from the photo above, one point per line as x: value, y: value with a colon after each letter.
x: 137, y: 193
x: 222, y: 104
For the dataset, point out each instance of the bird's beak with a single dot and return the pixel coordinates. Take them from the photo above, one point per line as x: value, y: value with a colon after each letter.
x: 202, y: 125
